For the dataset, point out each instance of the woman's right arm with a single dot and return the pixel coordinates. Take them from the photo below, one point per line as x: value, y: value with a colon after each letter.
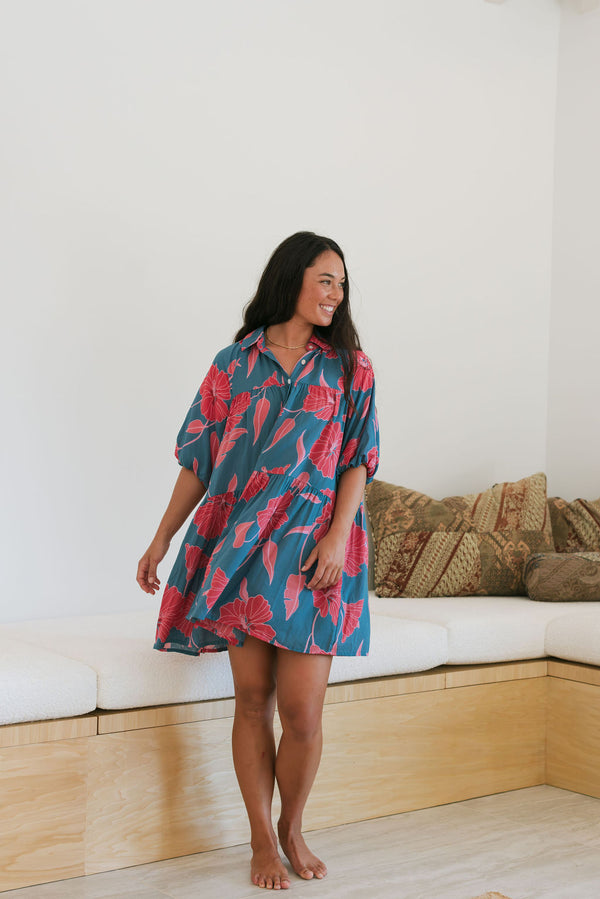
x: 187, y: 493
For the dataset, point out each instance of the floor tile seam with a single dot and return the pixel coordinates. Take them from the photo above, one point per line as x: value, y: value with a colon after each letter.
x: 507, y: 815
x: 505, y: 818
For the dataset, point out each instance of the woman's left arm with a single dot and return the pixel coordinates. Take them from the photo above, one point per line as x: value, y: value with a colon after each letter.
x: 330, y: 551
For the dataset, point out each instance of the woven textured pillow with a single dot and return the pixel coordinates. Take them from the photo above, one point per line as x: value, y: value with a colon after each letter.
x: 576, y: 525
x: 563, y: 577
x: 459, y: 546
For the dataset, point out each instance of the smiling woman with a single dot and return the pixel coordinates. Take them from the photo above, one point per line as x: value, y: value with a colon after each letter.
x: 278, y: 444
x: 322, y: 292
x: 304, y: 289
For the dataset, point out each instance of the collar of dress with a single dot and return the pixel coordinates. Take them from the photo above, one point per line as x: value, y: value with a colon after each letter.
x: 258, y: 337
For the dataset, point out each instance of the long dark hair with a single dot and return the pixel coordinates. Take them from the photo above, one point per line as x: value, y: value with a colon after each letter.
x: 279, y: 288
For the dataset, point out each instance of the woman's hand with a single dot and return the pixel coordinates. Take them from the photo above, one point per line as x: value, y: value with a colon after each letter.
x: 187, y: 493
x: 329, y: 555
x: 146, y: 572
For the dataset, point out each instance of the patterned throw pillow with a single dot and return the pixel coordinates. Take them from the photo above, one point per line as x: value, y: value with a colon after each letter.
x: 563, y: 577
x: 576, y: 525
x: 458, y: 546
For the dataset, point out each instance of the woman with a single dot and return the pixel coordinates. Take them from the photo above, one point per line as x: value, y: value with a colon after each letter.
x: 278, y: 444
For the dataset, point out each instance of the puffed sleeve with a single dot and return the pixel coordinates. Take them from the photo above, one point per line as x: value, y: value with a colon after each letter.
x: 360, y: 443
x: 202, y: 431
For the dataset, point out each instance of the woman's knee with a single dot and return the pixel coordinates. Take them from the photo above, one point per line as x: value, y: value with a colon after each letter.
x: 253, y: 668
x: 300, y: 718
x: 301, y: 685
x: 255, y: 700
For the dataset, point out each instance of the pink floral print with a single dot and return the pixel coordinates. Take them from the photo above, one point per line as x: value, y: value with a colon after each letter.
x: 270, y: 448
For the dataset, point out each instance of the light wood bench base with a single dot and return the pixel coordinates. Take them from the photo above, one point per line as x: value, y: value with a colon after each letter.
x: 115, y: 789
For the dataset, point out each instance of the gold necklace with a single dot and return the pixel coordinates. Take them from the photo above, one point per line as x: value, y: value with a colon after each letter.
x: 282, y: 345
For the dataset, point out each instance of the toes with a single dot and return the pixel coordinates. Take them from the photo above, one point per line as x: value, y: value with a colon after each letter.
x: 277, y: 881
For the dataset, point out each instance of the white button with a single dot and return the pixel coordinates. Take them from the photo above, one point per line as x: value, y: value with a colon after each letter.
x: 309, y: 346
x: 289, y: 380
x: 304, y: 362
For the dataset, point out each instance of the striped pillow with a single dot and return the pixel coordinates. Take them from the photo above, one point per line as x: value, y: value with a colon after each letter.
x: 459, y: 546
x: 576, y: 525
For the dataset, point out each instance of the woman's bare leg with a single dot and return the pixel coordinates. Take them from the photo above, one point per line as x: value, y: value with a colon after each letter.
x: 301, y: 683
x: 253, y: 667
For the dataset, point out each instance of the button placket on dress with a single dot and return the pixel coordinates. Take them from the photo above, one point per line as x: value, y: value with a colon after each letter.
x: 290, y: 380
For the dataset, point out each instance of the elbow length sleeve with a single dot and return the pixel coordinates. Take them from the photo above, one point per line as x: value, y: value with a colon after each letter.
x: 360, y: 445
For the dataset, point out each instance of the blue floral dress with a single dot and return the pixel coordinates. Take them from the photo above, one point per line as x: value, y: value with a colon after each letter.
x: 270, y: 448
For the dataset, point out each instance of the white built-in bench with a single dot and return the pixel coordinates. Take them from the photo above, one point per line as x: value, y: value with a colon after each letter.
x: 71, y: 653
x: 112, y: 754
x: 57, y: 668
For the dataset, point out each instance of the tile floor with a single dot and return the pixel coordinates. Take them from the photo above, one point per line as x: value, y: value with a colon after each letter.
x: 539, y: 843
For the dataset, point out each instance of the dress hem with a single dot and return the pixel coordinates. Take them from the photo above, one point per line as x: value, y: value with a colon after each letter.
x: 170, y: 646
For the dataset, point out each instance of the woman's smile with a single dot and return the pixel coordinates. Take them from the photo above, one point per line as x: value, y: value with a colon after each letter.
x: 322, y: 290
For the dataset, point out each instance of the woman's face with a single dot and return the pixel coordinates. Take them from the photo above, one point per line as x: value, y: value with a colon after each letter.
x: 322, y: 290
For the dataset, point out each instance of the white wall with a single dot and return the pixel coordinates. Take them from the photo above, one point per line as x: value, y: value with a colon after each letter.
x: 574, y: 384
x: 155, y: 152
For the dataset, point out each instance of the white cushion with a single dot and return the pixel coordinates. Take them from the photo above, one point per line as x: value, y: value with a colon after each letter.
x: 36, y: 684
x: 130, y: 672
x: 482, y: 628
x: 576, y: 637
x: 397, y: 647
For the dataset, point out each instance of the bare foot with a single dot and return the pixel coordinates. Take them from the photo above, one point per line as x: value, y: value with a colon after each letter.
x: 302, y: 860
x: 267, y: 870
